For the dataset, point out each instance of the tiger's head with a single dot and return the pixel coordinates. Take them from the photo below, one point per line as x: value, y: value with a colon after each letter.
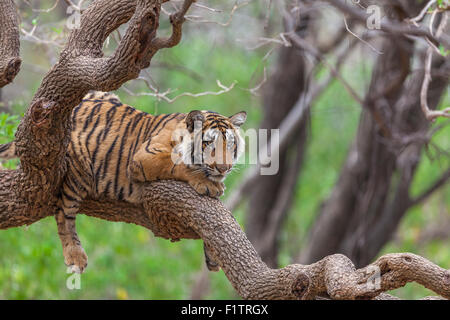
x: 212, y: 144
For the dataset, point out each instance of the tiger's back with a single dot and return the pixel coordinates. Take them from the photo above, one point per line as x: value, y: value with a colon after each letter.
x: 105, y: 135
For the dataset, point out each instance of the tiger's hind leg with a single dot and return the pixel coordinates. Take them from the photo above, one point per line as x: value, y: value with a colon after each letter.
x: 74, y: 255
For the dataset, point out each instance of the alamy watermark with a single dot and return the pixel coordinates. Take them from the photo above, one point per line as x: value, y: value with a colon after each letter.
x: 214, y: 147
x: 73, y: 282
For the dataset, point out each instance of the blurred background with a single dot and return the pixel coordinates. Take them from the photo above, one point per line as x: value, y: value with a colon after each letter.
x: 361, y: 173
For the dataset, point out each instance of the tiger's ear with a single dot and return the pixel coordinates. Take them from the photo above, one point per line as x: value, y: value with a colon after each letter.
x: 238, y: 119
x: 193, y: 116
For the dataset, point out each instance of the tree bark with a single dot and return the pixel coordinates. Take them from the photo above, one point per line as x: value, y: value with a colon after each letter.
x: 9, y: 42
x: 175, y: 210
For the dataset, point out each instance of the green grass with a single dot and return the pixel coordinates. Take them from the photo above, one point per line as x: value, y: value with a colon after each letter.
x: 128, y: 262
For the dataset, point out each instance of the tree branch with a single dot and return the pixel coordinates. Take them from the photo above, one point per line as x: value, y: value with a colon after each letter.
x: 444, y: 179
x: 176, y: 20
x: 173, y: 210
x: 9, y: 42
x: 391, y: 26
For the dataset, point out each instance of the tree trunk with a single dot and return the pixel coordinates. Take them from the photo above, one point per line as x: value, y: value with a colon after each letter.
x: 271, y: 195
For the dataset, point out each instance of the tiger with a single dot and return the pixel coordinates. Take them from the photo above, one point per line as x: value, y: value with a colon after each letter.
x: 115, y: 148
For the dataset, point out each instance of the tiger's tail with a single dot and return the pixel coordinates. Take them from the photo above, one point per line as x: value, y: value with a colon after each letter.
x: 8, y: 151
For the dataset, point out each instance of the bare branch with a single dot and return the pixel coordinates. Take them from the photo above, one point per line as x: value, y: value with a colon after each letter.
x: 442, y: 181
x: 42, y: 10
x: 304, y: 45
x: 422, y: 13
x: 176, y: 20
x: 432, y: 115
x: 236, y: 6
x: 163, y: 95
x: 391, y: 26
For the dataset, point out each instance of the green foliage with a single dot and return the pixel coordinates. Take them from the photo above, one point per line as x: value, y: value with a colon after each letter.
x: 8, y: 125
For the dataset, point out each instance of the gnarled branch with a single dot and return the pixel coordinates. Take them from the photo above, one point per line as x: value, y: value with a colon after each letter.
x: 173, y: 210
x: 9, y: 42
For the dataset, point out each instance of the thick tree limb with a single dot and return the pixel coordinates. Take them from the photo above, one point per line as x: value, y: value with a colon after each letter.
x: 9, y: 42
x: 43, y: 134
x: 176, y: 211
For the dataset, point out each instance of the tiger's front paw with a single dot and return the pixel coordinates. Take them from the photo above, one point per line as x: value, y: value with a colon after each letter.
x: 75, y: 257
x: 208, y: 187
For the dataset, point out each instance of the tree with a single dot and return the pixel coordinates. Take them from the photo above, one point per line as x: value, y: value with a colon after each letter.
x: 368, y: 202
x: 171, y: 209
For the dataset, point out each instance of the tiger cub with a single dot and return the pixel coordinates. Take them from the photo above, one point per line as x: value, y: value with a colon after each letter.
x: 114, y: 148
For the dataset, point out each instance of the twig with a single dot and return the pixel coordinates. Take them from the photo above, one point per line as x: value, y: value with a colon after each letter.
x: 360, y: 39
x: 199, y: 19
x: 391, y: 26
x: 41, y: 10
x: 423, y: 12
x: 444, y: 179
x: 432, y: 115
x: 163, y: 95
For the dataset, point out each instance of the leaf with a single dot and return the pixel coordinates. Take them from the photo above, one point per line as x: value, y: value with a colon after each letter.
x: 444, y: 52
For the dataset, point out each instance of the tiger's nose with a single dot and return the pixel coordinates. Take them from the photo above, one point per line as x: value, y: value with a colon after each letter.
x: 222, y: 168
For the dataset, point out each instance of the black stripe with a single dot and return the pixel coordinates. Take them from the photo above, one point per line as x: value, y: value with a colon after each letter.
x: 149, y: 126
x: 122, y: 144
x: 120, y: 196
x: 159, y: 122
x: 74, y: 116
x: 130, y: 189
x: 91, y: 115
x: 73, y: 166
x: 97, y: 176
x: 68, y: 184
x: 137, y: 120
x: 147, y: 147
x: 97, y: 147
x: 174, y: 115
x: 65, y: 195
x: 108, y: 157
x: 106, y: 191
x: 88, y: 138
x: 5, y: 147
x: 109, y: 116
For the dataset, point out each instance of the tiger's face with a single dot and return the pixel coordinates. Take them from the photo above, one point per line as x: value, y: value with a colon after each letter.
x: 214, y: 144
